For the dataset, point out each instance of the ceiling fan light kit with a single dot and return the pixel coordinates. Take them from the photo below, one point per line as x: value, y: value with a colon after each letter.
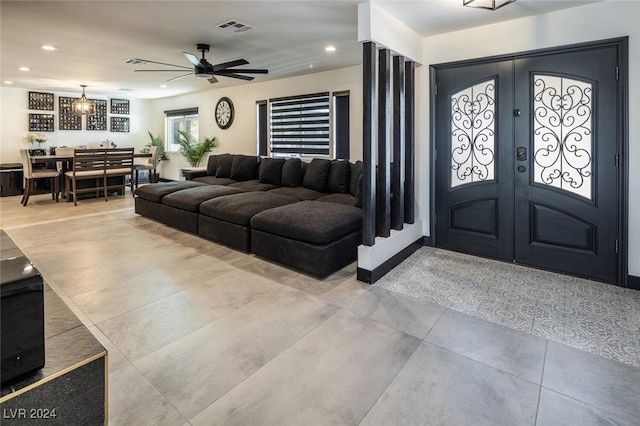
x: 486, y: 4
x: 202, y: 68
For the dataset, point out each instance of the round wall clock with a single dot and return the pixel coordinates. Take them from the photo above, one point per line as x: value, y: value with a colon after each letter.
x: 224, y: 113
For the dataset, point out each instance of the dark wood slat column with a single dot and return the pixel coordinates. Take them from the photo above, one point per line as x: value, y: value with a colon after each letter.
x: 368, y: 151
x: 383, y: 191
x: 409, y: 141
x: 397, y: 181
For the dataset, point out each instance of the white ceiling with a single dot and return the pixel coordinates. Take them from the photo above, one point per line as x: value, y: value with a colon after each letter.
x: 95, y: 37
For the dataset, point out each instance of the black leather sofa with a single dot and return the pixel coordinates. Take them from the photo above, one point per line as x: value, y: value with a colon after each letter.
x: 305, y: 215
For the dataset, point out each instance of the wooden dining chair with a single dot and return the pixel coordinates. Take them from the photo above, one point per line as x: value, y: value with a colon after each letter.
x: 30, y: 175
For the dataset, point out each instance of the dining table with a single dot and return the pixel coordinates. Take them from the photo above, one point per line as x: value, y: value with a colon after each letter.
x: 66, y: 160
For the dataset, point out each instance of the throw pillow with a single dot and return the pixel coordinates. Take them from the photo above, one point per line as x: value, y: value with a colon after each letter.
x: 271, y: 170
x: 339, y: 175
x: 356, y: 172
x: 291, y: 171
x: 223, y: 168
x: 317, y: 174
x: 212, y: 164
x: 244, y: 167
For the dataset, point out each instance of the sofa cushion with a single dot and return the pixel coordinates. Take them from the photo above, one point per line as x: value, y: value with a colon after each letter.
x: 244, y: 167
x: 212, y: 180
x: 190, y: 199
x: 346, y: 199
x: 356, y: 171
x: 271, y: 170
x: 223, y: 166
x: 291, y: 172
x: 253, y: 185
x: 339, y: 175
x: 212, y: 164
x: 310, y: 221
x: 300, y: 192
x: 240, y: 208
x: 317, y: 175
x: 156, y: 191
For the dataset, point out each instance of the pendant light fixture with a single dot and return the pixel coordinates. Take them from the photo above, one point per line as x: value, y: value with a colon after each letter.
x: 486, y: 4
x: 82, y: 106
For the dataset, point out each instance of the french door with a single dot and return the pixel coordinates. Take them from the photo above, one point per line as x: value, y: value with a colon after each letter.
x: 526, y: 164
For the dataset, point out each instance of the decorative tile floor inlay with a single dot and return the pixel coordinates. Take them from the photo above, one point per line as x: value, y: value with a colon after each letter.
x: 598, y: 318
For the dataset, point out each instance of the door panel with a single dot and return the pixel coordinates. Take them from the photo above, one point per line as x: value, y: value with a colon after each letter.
x: 474, y: 196
x: 525, y: 161
x: 566, y: 202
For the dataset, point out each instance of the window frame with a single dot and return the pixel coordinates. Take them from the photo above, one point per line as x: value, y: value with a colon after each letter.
x: 186, y: 118
x: 337, y: 126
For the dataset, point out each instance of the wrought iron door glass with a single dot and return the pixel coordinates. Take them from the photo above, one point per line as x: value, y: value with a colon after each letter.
x: 473, y: 121
x: 563, y: 133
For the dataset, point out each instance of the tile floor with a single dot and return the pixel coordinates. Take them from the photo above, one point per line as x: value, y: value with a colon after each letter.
x: 199, y: 334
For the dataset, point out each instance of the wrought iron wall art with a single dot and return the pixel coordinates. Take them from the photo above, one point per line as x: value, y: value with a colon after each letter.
x: 41, y: 122
x: 98, y: 121
x: 41, y: 101
x: 67, y: 119
x: 563, y: 133
x: 473, y: 142
x: 120, y: 124
x: 120, y: 106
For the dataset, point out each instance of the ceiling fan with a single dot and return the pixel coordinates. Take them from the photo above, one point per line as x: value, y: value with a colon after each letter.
x: 204, y: 69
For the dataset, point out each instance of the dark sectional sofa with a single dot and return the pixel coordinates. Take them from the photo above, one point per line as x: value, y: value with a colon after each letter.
x: 305, y: 215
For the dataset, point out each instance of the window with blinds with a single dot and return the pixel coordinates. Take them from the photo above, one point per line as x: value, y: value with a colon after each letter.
x: 185, y: 120
x: 300, y: 126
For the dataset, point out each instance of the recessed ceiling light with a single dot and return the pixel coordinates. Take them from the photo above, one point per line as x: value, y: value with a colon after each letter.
x: 330, y: 49
x: 8, y: 82
x: 48, y: 47
x: 24, y: 69
x: 164, y: 86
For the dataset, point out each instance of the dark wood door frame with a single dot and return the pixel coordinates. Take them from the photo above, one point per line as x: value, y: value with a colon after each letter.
x: 622, y: 138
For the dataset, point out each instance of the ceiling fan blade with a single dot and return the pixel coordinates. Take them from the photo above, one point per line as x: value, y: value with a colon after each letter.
x: 225, y: 65
x: 248, y: 71
x: 160, y: 70
x: 212, y: 80
x: 179, y: 77
x: 192, y: 58
x: 238, y: 76
x: 161, y: 63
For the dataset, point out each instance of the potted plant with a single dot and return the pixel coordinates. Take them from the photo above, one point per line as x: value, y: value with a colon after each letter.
x: 160, y: 153
x: 35, y: 140
x: 194, y: 151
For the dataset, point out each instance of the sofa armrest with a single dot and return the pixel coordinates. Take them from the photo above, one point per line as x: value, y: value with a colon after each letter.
x: 190, y: 174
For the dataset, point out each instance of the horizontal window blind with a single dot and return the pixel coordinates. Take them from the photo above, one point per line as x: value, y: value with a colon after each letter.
x: 299, y: 126
x: 181, y: 112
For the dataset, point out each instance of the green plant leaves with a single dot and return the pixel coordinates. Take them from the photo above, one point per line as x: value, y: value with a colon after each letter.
x: 194, y: 151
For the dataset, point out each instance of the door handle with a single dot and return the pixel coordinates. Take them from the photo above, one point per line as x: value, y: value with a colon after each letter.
x: 521, y: 153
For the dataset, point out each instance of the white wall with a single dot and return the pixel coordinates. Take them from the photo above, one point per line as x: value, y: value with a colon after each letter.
x: 603, y: 20
x: 240, y: 138
x: 14, y: 125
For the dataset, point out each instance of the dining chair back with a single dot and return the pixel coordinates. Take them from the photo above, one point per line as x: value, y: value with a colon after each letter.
x: 151, y: 165
x: 30, y: 175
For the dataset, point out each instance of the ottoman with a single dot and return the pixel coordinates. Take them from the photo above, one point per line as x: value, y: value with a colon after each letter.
x: 180, y: 208
x: 314, y: 237
x: 226, y: 219
x: 149, y: 197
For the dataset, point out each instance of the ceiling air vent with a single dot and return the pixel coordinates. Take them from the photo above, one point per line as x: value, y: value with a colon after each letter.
x: 135, y: 61
x: 235, y: 26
